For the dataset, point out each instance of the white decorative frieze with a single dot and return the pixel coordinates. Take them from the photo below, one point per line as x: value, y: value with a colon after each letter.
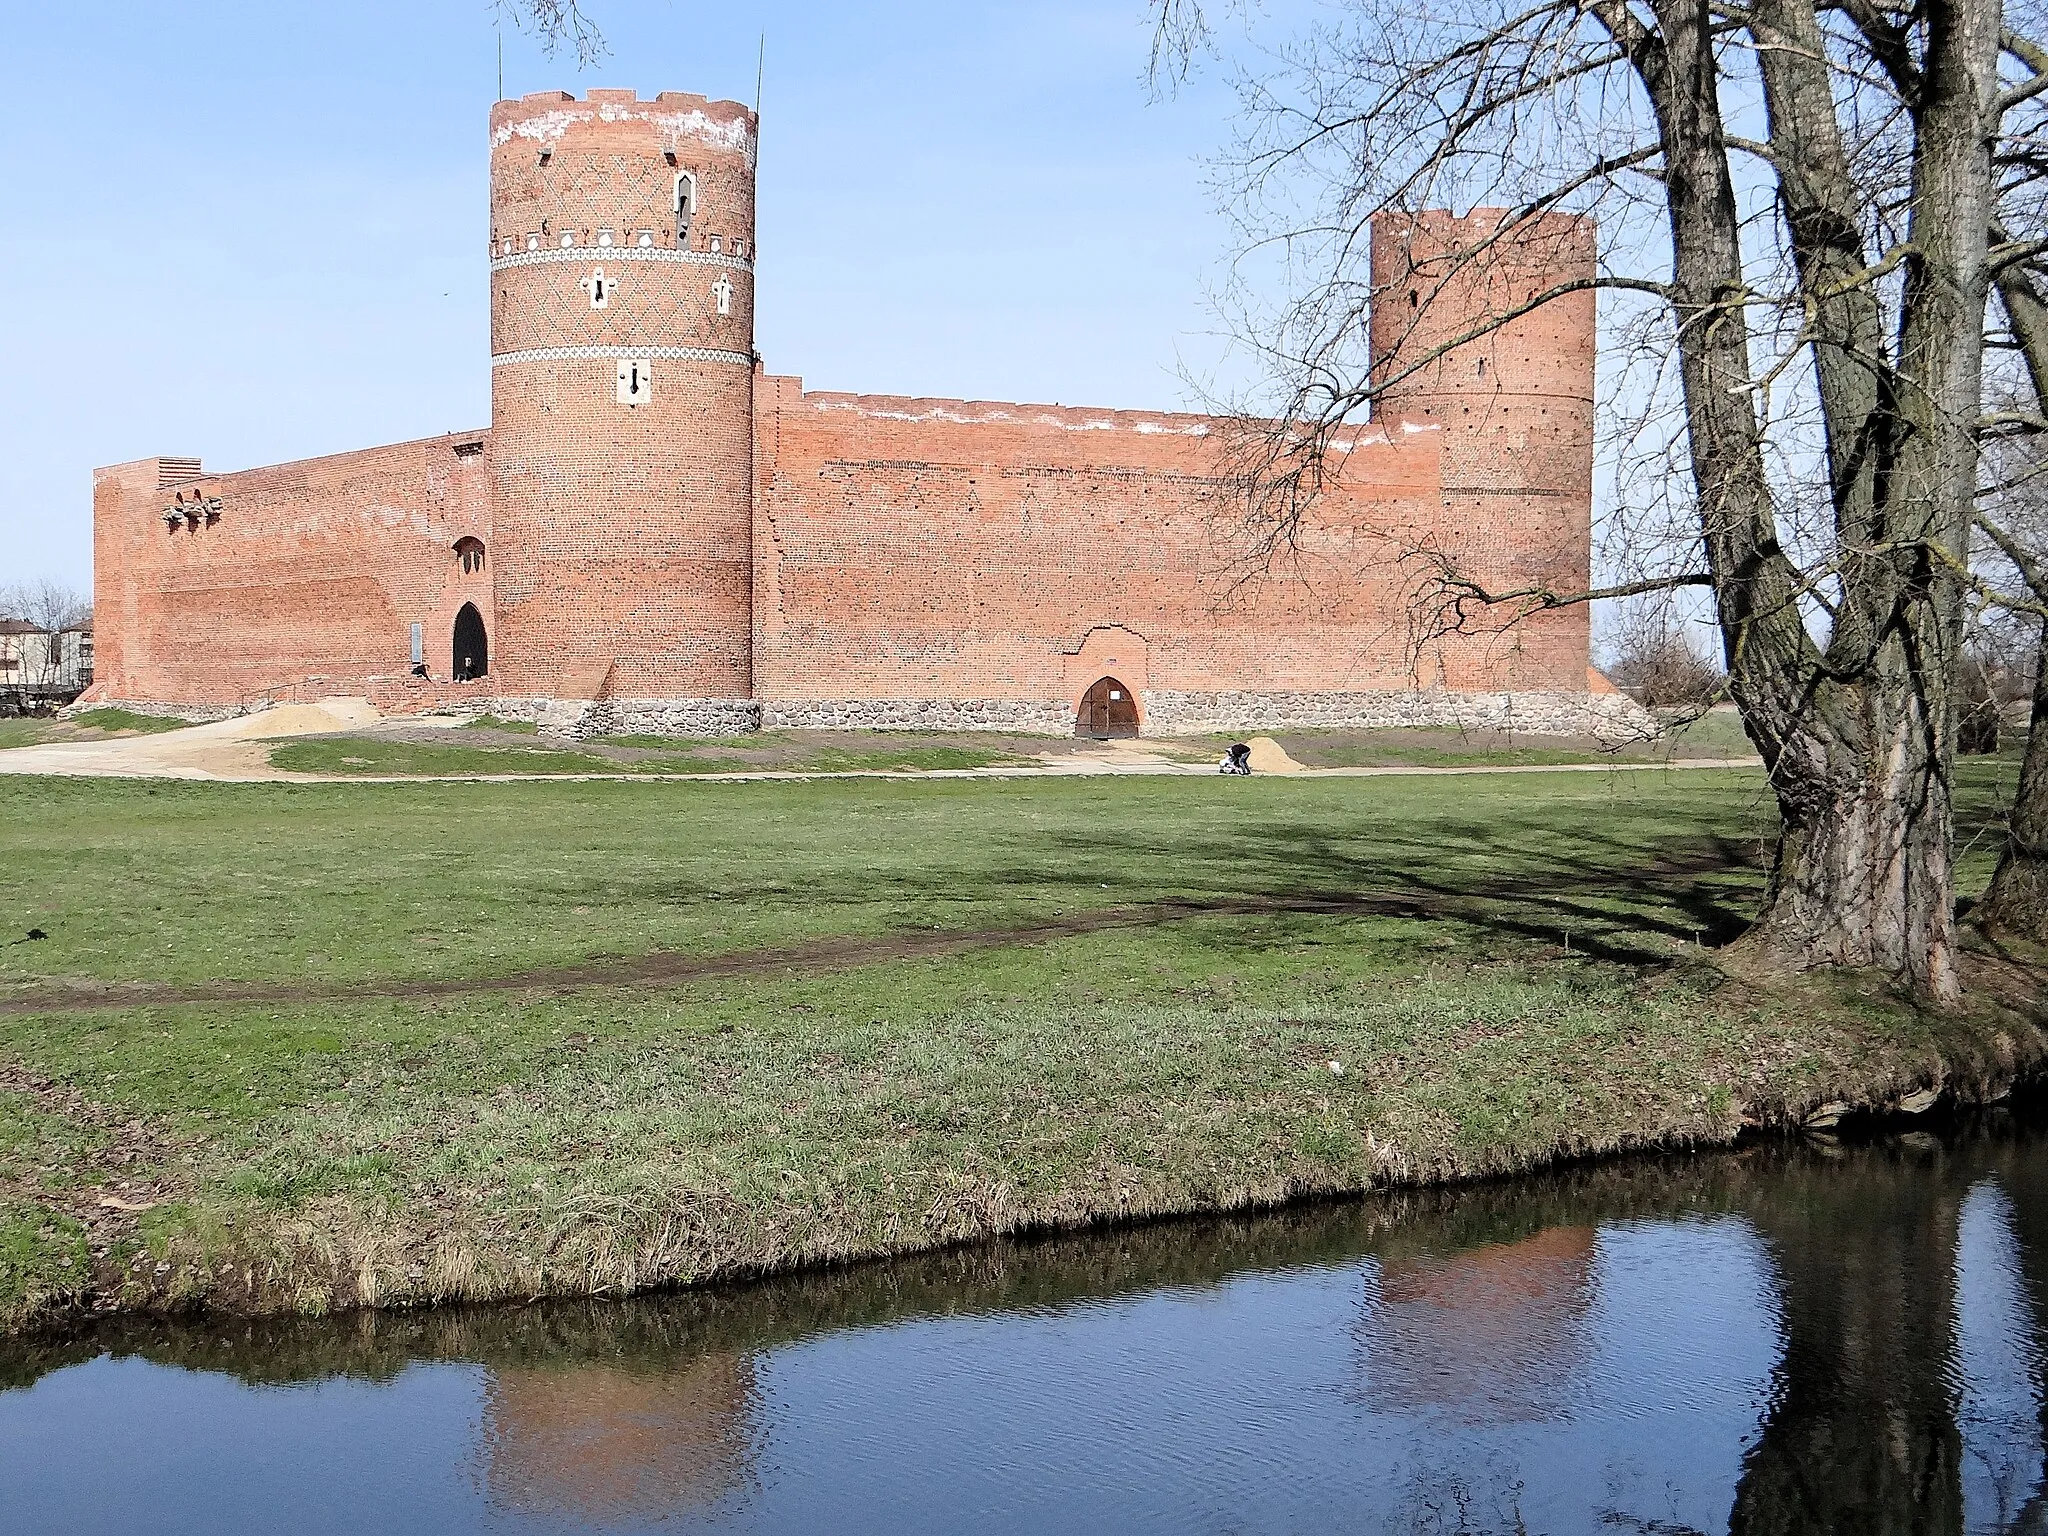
x: 587, y: 354
x: 538, y: 255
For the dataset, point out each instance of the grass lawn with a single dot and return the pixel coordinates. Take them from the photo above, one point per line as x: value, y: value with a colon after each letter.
x: 501, y: 749
x: 306, y: 1046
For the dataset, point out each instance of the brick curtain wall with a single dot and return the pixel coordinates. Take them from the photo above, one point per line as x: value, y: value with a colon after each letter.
x: 922, y: 548
x: 308, y: 580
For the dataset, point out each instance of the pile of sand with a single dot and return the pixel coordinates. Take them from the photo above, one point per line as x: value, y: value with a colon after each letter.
x: 1268, y: 756
x: 329, y: 715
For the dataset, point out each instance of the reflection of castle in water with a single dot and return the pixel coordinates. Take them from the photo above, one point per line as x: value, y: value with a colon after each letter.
x: 1493, y: 1332
x: 596, y: 1442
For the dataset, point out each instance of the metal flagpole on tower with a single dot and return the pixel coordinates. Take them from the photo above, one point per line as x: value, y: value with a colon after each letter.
x: 760, y: 66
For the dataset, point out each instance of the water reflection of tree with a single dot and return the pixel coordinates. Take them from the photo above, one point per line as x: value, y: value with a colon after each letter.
x: 2024, y: 1183
x: 1861, y: 1434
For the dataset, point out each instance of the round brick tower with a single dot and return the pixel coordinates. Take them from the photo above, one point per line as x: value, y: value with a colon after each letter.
x: 1515, y: 405
x: 622, y: 418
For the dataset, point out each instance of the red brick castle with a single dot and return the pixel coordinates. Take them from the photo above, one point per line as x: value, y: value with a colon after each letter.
x: 656, y: 534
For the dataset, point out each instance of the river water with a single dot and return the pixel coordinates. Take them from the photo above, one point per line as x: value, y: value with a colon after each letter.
x: 1794, y: 1338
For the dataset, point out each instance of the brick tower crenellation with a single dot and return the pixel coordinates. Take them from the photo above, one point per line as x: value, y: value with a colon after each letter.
x: 622, y: 368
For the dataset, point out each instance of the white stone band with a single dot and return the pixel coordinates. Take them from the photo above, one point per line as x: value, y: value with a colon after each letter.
x: 584, y: 254
x: 595, y: 354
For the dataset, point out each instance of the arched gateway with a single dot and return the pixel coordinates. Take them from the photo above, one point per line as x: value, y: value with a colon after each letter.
x: 1107, y: 709
x: 472, y: 645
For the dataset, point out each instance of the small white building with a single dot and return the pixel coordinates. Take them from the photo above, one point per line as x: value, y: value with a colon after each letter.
x: 37, y: 664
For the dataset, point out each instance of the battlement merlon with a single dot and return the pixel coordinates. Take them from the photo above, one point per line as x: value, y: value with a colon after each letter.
x: 168, y: 472
x: 677, y: 117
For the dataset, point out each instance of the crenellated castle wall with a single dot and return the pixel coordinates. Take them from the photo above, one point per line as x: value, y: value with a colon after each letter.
x: 663, y: 537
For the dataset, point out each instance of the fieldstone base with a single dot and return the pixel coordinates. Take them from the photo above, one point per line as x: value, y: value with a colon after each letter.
x: 1034, y: 717
x: 676, y: 717
x: 580, y: 719
x: 1607, y: 716
x: 194, y: 714
x: 1610, y: 717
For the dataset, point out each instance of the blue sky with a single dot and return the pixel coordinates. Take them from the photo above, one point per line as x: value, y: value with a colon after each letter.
x: 253, y: 230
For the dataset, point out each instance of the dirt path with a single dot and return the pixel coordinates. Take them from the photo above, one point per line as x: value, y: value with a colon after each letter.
x: 238, y: 751
x: 232, y: 751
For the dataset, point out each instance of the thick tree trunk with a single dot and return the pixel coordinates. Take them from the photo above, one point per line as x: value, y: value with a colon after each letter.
x: 2017, y: 901
x: 1863, y: 874
x: 1856, y: 740
x: 1824, y: 211
x: 1914, y: 604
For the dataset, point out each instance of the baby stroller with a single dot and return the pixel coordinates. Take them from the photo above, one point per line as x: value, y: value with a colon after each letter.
x: 1237, y: 760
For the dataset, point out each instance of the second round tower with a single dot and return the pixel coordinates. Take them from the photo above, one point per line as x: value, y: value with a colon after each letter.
x: 622, y: 417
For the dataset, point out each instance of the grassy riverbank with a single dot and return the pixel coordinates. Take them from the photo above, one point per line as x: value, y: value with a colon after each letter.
x: 303, y: 1046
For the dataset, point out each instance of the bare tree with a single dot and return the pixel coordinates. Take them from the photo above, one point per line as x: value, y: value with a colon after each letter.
x: 47, y: 603
x: 1820, y: 222
x: 2013, y: 553
x: 557, y: 24
x: 1657, y: 661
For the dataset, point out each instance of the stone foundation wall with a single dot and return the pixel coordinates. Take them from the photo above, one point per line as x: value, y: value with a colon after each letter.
x: 1609, y: 716
x: 195, y: 714
x: 1164, y: 712
x: 1037, y: 718
x: 580, y: 719
x: 675, y: 717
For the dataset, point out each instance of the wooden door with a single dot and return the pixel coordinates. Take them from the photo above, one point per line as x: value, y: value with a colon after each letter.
x: 1107, y: 709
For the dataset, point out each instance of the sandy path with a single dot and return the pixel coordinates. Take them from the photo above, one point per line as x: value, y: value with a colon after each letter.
x: 238, y: 751
x: 234, y: 751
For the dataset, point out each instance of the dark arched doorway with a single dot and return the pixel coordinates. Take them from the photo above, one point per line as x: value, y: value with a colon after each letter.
x: 1107, y: 709
x: 472, y: 645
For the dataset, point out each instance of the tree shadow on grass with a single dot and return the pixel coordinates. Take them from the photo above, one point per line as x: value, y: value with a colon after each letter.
x: 1603, y: 887
x: 1618, y: 896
